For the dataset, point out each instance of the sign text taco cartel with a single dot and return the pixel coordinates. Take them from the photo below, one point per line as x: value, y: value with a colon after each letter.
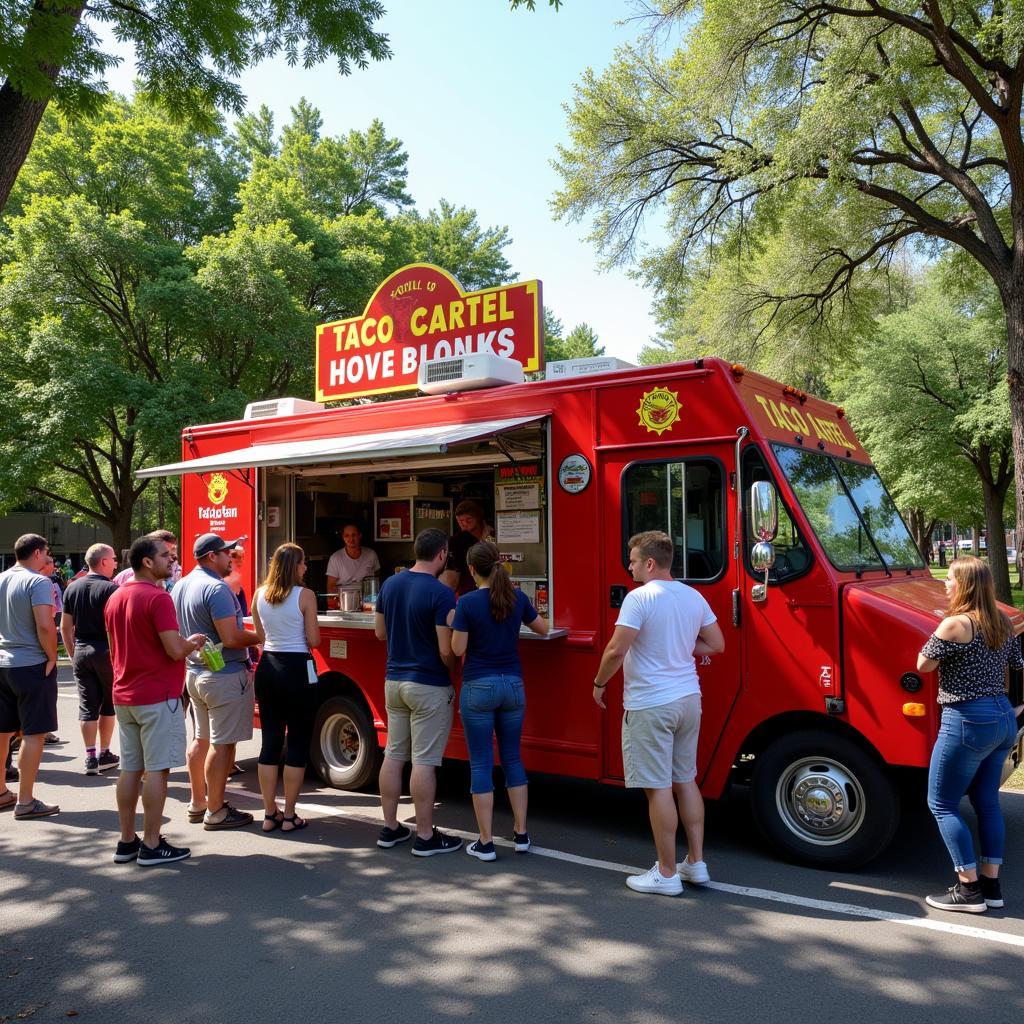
x: 421, y: 312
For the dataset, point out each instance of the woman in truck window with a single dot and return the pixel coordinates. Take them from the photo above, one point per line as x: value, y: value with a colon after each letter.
x: 284, y: 617
x: 971, y: 648
x: 493, y: 700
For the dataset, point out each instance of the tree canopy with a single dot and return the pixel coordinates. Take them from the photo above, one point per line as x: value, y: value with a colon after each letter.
x: 851, y: 131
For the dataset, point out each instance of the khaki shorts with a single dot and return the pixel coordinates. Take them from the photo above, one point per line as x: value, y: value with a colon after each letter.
x: 419, y: 720
x: 222, y: 704
x: 151, y: 736
x: 659, y: 745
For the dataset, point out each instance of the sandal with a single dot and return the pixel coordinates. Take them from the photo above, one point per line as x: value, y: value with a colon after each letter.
x: 276, y: 818
x: 7, y: 800
x: 195, y: 814
x: 295, y: 821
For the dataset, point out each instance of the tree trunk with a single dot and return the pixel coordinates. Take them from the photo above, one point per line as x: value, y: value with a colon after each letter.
x: 121, y: 531
x: 996, y: 546
x: 49, y: 30
x: 1013, y: 304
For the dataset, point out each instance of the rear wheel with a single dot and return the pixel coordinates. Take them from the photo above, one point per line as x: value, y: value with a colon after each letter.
x: 344, y: 748
x: 822, y: 800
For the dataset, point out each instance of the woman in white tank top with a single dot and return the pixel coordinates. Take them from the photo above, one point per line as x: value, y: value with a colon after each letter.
x: 284, y: 616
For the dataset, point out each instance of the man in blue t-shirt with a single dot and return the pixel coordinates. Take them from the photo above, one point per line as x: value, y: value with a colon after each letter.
x: 222, y: 699
x: 414, y: 613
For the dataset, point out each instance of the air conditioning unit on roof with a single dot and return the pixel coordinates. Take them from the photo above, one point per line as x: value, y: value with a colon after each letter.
x: 280, y: 407
x: 586, y: 366
x: 466, y: 373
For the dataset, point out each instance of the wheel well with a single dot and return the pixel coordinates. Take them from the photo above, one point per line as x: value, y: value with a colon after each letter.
x: 761, y: 737
x: 336, y: 684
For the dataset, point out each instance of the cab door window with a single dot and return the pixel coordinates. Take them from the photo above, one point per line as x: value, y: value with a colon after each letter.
x: 686, y: 501
x: 792, y: 555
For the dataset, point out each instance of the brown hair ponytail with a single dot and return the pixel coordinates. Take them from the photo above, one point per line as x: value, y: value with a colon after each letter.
x: 486, y: 563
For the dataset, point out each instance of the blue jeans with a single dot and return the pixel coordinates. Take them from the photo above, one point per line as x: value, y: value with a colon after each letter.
x: 493, y: 706
x: 973, y: 741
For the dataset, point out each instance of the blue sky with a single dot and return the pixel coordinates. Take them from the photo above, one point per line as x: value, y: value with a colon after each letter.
x: 475, y: 93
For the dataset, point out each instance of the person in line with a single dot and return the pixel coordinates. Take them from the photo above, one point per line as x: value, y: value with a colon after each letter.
x: 284, y: 614
x: 473, y: 528
x: 85, y: 639
x: 661, y: 626
x: 972, y: 649
x: 413, y: 615
x: 493, y: 700
x: 52, y: 573
x: 351, y: 563
x: 221, y: 699
x: 234, y: 580
x: 28, y: 670
x: 126, y: 575
x: 146, y: 651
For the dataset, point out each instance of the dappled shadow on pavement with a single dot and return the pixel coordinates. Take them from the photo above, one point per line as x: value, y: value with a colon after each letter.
x: 324, y: 926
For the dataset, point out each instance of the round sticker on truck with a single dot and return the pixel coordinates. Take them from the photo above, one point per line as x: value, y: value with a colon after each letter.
x: 574, y: 473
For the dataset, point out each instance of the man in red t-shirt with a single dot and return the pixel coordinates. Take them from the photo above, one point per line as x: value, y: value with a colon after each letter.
x: 147, y: 653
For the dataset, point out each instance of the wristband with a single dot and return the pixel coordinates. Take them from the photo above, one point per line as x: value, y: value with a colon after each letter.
x: 599, y: 686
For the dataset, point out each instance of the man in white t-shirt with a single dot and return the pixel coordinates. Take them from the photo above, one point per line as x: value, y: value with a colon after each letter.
x: 352, y: 563
x: 661, y: 626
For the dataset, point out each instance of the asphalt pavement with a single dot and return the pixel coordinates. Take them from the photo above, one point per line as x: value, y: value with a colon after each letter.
x: 322, y: 925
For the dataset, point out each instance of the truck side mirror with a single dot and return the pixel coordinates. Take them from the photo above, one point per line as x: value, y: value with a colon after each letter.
x: 764, y: 519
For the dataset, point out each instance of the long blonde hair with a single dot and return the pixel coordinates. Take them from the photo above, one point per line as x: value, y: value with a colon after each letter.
x: 975, y: 596
x: 283, y: 573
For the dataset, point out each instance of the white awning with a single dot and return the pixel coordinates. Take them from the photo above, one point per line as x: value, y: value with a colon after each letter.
x: 416, y: 441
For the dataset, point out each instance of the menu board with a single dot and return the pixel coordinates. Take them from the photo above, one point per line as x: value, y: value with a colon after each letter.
x: 508, y: 497
x: 521, y: 527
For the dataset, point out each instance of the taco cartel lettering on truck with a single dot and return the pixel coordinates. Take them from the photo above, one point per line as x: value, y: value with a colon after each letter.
x: 421, y: 312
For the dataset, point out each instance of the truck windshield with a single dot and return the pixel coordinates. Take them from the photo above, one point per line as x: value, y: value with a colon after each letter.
x: 850, y: 510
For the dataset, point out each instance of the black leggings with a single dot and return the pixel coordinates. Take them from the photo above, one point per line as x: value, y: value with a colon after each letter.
x: 286, y: 702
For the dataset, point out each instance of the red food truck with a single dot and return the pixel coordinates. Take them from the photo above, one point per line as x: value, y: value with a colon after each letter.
x: 816, y: 703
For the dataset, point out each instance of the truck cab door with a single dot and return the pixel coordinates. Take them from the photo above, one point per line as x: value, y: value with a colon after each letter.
x: 684, y: 491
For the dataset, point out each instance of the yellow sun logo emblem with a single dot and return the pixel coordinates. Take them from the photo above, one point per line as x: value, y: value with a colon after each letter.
x: 217, y: 488
x: 659, y: 410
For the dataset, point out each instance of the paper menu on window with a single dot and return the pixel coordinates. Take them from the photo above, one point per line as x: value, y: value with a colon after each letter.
x: 519, y: 527
x: 510, y: 497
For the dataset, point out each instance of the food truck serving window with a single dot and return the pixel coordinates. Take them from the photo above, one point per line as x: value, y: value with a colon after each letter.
x: 850, y: 510
x: 685, y: 500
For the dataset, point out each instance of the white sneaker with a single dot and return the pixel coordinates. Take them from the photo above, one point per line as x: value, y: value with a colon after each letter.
x: 655, y: 881
x: 697, y: 872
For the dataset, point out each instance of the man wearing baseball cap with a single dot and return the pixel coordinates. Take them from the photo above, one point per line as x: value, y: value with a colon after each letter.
x: 222, y: 698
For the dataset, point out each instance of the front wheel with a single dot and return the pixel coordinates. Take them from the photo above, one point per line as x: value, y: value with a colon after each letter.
x: 821, y: 800
x: 344, y: 748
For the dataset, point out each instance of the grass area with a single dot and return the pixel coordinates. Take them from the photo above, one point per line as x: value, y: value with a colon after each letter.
x: 1016, y: 592
x: 1016, y: 780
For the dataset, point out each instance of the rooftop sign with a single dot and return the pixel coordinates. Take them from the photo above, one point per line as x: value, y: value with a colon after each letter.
x: 421, y: 312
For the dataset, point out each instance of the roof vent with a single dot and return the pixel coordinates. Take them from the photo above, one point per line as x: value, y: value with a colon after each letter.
x: 585, y: 367
x: 466, y: 373
x: 280, y: 407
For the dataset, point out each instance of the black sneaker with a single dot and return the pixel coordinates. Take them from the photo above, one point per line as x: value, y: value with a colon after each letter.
x: 393, y: 836
x: 482, y: 851
x: 163, y: 854
x: 126, y: 852
x: 521, y: 841
x: 12, y: 774
x: 437, y: 843
x: 92, y: 765
x: 991, y: 892
x: 107, y: 760
x: 964, y: 897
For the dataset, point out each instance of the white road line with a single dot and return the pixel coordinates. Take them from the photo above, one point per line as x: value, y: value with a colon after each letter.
x: 749, y: 892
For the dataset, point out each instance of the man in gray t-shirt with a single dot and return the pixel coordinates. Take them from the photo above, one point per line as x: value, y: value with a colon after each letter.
x: 28, y: 669
x: 222, y: 698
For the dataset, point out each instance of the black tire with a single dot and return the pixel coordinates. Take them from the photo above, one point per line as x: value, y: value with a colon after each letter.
x: 822, y: 800
x: 344, y: 748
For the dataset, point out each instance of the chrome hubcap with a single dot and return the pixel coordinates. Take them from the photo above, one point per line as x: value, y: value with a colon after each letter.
x: 821, y: 801
x: 339, y: 741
